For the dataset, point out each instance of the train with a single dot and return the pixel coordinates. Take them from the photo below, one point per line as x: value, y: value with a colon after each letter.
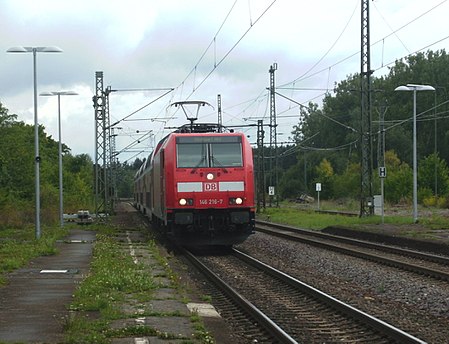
x: 197, y: 186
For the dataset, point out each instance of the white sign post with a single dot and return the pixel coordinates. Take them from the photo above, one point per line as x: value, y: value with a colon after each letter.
x: 382, y: 176
x: 318, y: 189
x: 271, y: 193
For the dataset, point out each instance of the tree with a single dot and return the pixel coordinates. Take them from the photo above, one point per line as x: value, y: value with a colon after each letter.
x: 429, y: 168
x: 17, y: 174
x: 331, y: 132
x: 399, y: 178
x: 347, y: 184
x: 325, y: 174
x: 291, y: 185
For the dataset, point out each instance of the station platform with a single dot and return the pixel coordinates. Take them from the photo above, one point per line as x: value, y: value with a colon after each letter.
x: 33, y: 304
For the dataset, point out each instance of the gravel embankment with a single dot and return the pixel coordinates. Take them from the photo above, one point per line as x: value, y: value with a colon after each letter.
x: 416, y: 304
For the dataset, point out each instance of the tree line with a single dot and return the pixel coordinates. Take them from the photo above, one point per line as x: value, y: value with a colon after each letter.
x: 327, y: 138
x: 17, y: 175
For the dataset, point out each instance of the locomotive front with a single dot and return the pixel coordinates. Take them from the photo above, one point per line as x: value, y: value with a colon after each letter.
x: 212, y: 182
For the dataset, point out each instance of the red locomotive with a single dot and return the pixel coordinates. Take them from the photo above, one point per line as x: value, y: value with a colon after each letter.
x: 198, y: 186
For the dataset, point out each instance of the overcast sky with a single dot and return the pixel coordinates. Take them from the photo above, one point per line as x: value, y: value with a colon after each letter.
x: 200, y: 48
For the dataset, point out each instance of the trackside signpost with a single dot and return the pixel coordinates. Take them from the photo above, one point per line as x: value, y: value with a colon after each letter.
x: 318, y: 189
x: 382, y: 176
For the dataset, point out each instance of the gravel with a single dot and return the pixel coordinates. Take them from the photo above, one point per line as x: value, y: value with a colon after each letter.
x: 416, y: 304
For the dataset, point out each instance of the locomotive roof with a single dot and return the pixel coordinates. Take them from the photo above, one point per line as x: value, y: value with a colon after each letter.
x: 202, y: 128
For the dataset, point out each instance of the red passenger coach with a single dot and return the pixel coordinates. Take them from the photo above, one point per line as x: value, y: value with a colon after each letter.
x: 199, y: 186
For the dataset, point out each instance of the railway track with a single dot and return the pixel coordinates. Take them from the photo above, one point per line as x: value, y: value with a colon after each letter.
x: 287, y: 310
x: 426, y: 264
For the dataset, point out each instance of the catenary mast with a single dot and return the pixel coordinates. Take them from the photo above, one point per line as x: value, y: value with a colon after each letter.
x: 366, y: 197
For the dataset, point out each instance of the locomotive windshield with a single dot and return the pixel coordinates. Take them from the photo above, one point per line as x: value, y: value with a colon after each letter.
x: 209, y: 151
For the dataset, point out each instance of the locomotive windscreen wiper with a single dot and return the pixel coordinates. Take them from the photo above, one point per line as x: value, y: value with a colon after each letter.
x: 199, y: 164
x: 216, y: 163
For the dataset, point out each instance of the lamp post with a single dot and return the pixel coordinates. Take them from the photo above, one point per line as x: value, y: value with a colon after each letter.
x: 415, y: 88
x: 59, y: 94
x: 36, y: 50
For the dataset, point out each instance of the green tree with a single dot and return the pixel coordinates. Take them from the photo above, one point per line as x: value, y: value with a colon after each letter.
x: 398, y: 184
x: 17, y: 174
x: 291, y: 185
x: 429, y: 168
x: 332, y: 132
x: 325, y: 175
x: 78, y: 182
x: 347, y: 184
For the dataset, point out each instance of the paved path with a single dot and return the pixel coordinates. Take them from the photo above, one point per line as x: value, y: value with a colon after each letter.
x: 33, y: 305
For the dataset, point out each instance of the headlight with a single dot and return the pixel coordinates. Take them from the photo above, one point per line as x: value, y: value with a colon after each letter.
x: 210, y: 176
x: 185, y: 201
x: 235, y: 201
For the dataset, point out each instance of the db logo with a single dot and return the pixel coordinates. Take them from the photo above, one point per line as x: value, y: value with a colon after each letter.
x: 210, y: 186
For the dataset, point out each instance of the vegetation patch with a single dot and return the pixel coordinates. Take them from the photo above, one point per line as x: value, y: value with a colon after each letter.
x: 19, y: 246
x: 115, y: 280
x: 308, y: 218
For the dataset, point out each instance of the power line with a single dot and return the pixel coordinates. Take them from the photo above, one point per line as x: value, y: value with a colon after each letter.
x: 232, y: 48
x: 328, y: 51
x: 304, y: 76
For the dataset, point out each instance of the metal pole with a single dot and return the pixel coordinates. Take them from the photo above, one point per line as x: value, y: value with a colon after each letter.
x: 35, y: 50
x: 415, y: 88
x: 61, y: 209
x: 415, y: 175
x: 36, y: 150
x: 382, y: 198
x: 435, y: 148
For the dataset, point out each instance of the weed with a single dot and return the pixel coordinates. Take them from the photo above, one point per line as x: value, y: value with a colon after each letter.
x: 206, y: 298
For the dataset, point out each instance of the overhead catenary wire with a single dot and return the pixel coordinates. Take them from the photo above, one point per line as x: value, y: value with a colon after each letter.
x: 216, y: 64
x: 328, y: 51
x: 169, y: 90
x: 258, y: 100
x: 400, y: 122
x: 213, y: 42
x: 305, y: 76
x: 231, y: 49
x: 321, y: 114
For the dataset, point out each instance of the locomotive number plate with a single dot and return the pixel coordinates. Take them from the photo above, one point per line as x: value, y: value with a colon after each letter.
x: 211, y: 201
x: 210, y: 186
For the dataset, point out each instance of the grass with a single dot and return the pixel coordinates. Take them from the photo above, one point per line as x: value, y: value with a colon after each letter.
x: 19, y: 246
x: 115, y: 280
x: 113, y: 276
x: 313, y: 220
x: 308, y: 218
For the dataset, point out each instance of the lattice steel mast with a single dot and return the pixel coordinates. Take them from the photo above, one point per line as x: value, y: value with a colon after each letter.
x: 102, y: 151
x: 366, y: 196
x: 273, y: 135
x: 260, y: 166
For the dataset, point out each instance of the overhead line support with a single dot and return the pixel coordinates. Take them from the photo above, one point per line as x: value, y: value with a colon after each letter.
x: 103, y: 205
x: 366, y: 196
x: 273, y: 135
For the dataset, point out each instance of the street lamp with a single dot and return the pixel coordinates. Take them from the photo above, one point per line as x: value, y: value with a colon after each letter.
x: 59, y: 94
x: 415, y: 88
x: 36, y: 50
